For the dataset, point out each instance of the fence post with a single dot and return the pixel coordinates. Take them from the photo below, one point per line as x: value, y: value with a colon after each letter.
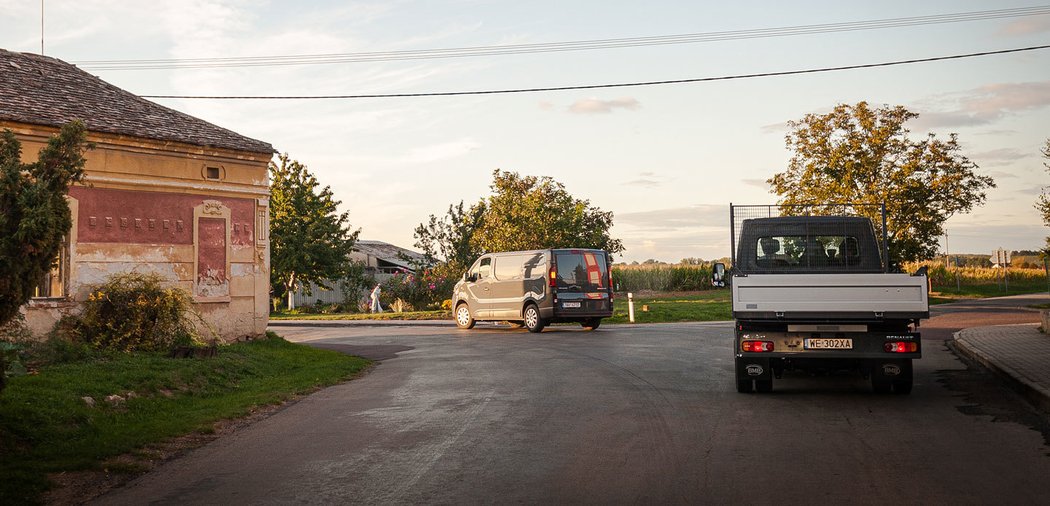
x: 630, y: 306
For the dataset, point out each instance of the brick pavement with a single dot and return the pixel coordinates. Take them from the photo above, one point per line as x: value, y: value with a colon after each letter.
x: 1021, y: 353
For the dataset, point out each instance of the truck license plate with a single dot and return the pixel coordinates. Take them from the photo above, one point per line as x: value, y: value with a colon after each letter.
x: 829, y: 344
x: 570, y: 304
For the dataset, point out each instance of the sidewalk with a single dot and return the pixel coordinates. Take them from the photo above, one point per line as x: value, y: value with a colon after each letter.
x: 1019, y: 353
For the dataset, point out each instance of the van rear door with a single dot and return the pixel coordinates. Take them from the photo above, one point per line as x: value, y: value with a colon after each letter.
x: 582, y: 284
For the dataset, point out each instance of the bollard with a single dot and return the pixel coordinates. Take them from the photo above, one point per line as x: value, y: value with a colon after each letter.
x: 630, y: 306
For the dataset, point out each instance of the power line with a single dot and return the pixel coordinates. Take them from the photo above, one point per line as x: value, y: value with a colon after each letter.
x: 614, y: 85
x: 584, y: 45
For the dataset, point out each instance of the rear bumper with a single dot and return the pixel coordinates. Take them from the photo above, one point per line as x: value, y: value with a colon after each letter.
x: 793, y: 345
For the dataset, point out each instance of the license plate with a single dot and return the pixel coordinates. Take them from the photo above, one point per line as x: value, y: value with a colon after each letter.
x: 829, y: 344
x: 570, y: 304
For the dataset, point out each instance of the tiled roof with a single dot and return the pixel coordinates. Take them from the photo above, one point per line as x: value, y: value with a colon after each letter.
x: 40, y: 90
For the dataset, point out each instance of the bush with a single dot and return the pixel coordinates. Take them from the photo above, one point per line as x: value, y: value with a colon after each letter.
x: 417, y: 292
x: 133, y: 312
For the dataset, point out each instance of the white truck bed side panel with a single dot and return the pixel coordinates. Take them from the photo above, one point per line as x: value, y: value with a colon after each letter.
x: 831, y: 293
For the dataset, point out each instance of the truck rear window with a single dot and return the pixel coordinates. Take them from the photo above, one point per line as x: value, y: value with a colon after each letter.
x: 790, y: 252
x: 584, y: 271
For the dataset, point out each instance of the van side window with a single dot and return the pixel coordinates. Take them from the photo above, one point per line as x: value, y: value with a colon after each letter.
x: 508, y: 267
x: 535, y: 266
x: 485, y: 268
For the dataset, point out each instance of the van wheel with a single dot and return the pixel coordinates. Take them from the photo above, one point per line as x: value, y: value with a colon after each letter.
x: 533, y: 322
x: 463, y: 318
x: 591, y: 323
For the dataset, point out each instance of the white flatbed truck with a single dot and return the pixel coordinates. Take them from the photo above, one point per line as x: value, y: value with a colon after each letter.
x: 814, y: 293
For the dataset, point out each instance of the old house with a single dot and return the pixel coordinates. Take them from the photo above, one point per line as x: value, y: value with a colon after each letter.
x: 165, y: 192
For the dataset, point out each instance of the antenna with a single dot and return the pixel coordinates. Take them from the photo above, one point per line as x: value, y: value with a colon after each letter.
x: 41, y: 27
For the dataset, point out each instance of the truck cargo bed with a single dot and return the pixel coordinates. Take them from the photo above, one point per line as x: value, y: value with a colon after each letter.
x: 825, y: 297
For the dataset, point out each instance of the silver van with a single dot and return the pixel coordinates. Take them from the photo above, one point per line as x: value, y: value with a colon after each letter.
x: 534, y: 288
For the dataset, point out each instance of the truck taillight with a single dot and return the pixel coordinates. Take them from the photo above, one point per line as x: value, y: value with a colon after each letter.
x: 901, y: 347
x: 756, y: 346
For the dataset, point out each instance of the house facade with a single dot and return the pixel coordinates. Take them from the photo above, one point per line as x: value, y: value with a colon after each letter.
x: 164, y: 193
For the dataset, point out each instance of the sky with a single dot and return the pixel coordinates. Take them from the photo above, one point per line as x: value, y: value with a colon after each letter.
x: 666, y: 160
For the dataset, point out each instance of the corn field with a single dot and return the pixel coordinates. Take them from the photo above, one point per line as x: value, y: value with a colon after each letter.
x: 952, y: 278
x: 661, y: 278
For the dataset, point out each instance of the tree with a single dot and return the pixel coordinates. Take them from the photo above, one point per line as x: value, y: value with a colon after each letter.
x: 537, y: 212
x: 1043, y: 204
x: 856, y: 154
x: 309, y: 241
x: 34, y: 214
x: 449, y: 241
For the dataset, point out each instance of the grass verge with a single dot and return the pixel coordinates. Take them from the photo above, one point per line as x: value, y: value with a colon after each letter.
x: 656, y: 307
x: 47, y: 427
x: 389, y: 315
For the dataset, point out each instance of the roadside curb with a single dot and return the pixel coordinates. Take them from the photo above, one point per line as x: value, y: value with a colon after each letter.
x: 361, y: 323
x: 1034, y: 392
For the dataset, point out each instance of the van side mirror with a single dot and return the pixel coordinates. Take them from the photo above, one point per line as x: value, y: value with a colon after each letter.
x: 470, y: 277
x: 718, y: 274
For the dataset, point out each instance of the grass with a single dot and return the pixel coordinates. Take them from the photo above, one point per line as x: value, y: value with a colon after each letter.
x: 386, y: 315
x: 709, y: 305
x: 47, y: 427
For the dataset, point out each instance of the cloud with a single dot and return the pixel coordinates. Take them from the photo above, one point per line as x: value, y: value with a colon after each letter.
x: 647, y: 179
x: 676, y: 218
x: 986, y: 105
x: 999, y: 157
x: 597, y: 106
x: 1026, y: 26
x: 757, y: 183
x: 546, y: 106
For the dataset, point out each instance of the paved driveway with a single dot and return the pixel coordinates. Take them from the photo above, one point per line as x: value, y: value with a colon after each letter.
x: 625, y: 414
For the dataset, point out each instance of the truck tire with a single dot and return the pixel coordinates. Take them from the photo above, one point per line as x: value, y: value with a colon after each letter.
x: 902, y: 384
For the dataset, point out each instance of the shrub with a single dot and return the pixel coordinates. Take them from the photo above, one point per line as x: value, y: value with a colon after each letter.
x: 417, y: 292
x: 133, y: 312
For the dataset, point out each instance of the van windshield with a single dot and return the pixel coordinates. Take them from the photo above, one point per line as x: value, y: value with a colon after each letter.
x: 582, y: 271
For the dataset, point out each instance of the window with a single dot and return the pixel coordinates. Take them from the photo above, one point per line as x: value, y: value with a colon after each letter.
x: 483, y: 268
x: 52, y: 284
x: 213, y: 173
x: 807, y: 251
x: 508, y: 268
x: 584, y: 271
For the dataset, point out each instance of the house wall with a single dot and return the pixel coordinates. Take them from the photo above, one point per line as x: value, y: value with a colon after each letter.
x: 148, y: 206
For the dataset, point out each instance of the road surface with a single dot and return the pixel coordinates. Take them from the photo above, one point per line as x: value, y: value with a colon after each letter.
x: 625, y: 414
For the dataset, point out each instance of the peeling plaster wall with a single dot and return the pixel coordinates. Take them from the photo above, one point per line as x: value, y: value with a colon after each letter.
x: 142, y: 210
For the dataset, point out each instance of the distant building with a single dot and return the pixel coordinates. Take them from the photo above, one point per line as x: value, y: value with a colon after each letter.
x: 165, y: 192
x: 381, y: 260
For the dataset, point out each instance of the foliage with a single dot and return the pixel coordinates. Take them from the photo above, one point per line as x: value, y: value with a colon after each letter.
x: 661, y: 277
x: 13, y: 338
x: 34, y: 215
x: 448, y: 242
x: 310, y: 242
x: 529, y: 212
x: 1043, y: 204
x: 133, y: 312
x: 418, y: 292
x: 46, y: 427
x: 857, y: 154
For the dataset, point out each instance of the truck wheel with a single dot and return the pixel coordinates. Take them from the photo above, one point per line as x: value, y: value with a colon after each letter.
x: 463, y: 318
x: 744, y: 386
x: 902, y: 384
x: 764, y: 386
x: 533, y: 322
x: 591, y: 323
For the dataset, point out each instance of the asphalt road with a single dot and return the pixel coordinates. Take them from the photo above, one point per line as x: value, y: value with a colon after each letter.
x: 625, y: 414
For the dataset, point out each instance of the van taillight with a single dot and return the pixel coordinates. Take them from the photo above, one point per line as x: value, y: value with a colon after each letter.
x: 554, y: 277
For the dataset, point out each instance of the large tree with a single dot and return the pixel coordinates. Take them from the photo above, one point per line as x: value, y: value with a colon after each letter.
x: 447, y: 241
x: 529, y: 212
x: 310, y: 241
x: 34, y: 214
x: 1043, y: 204
x: 859, y: 154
